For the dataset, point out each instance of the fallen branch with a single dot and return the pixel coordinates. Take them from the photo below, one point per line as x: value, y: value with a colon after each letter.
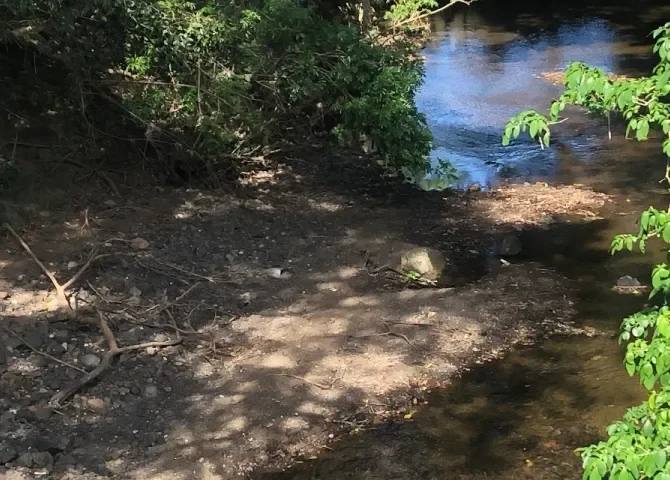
x: 39, y: 352
x: 113, y: 351
x: 433, y: 12
x: 303, y: 379
x: 389, y: 332
x: 61, y: 290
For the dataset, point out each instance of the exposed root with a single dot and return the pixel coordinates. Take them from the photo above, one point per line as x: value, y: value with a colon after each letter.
x: 113, y: 351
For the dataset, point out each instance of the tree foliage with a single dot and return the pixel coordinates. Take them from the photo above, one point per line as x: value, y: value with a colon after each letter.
x: 214, y: 77
x: 637, y: 446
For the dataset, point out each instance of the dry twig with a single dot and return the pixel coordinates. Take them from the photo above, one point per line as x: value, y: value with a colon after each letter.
x: 61, y: 289
x: 113, y: 351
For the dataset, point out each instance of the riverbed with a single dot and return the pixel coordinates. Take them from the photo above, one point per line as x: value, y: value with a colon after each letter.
x: 524, y: 415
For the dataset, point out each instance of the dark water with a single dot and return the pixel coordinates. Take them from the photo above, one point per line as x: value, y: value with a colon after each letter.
x: 523, y: 416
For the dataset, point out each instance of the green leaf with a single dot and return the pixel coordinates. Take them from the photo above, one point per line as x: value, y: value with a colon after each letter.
x: 647, y: 376
x: 534, y: 125
x: 546, y: 138
x: 630, y: 368
x: 666, y: 233
x: 644, y: 220
x: 638, y: 331
x: 661, y: 459
x: 663, y: 79
x: 505, y: 140
x: 642, y: 130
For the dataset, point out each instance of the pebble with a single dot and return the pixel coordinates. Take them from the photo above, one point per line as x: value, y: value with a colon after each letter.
x: 97, y: 405
x: 274, y: 272
x: 43, y: 460
x: 72, y: 264
x: 151, y: 350
x: 139, y: 243
x: 161, y: 337
x: 89, y: 360
x: 43, y: 413
x: 134, y: 291
x: 150, y: 391
x: 7, y: 453
x: 109, y: 203
x: 25, y: 460
x: 37, y: 361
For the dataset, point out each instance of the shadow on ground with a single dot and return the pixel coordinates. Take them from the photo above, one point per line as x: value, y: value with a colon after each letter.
x: 277, y: 364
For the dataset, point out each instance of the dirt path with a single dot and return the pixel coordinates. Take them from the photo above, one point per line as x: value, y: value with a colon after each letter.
x: 288, y: 340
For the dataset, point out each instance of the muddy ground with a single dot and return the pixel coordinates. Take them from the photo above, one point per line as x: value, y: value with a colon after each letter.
x: 288, y: 338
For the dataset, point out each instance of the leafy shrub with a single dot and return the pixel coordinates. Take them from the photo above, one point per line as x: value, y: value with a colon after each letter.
x: 220, y: 77
x: 637, y: 446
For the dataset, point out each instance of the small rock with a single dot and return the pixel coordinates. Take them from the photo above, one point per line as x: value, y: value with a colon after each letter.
x: 109, y: 203
x: 43, y: 413
x: 274, y: 272
x: 65, y: 460
x: 510, y: 246
x: 139, y: 243
x: 37, y: 361
x: 628, y: 281
x: 135, y: 292
x: 97, y: 405
x: 247, y: 297
x: 43, y: 460
x: 24, y: 414
x: 71, y: 265
x: 160, y: 337
x: 123, y: 391
x: 151, y: 350
x: 150, y: 391
x: 475, y: 187
x: 25, y: 460
x: 7, y: 453
x: 4, y: 295
x: 89, y: 360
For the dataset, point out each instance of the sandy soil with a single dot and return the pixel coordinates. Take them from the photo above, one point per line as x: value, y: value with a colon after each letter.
x: 288, y: 340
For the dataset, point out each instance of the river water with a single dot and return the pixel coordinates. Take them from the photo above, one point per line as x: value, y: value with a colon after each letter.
x: 523, y: 416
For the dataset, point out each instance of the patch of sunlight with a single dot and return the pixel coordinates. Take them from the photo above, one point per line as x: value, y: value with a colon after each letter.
x: 294, y: 423
x: 277, y: 360
x: 331, y: 286
x: 347, y: 272
x: 324, y: 206
x: 368, y: 301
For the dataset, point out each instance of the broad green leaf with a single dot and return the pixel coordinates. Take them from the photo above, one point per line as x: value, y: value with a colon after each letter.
x: 663, y: 79
x: 533, y: 128
x: 661, y: 459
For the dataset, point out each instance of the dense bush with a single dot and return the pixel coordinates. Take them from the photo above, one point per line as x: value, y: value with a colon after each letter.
x: 212, y: 76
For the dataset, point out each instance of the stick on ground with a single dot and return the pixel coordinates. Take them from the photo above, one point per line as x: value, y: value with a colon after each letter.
x: 113, y: 351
